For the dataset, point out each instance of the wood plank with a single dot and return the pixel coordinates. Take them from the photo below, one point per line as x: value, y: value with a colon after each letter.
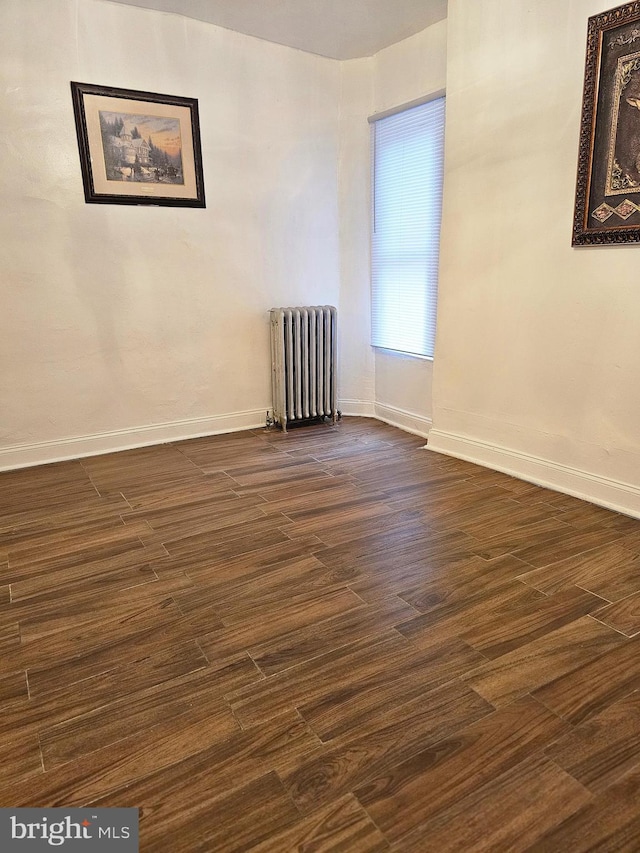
x: 611, y: 572
x: 600, y: 751
x: 573, y: 543
x: 463, y: 583
x: 63, y: 552
x: 340, y: 826
x: 202, y: 524
x: 237, y: 820
x: 46, y: 592
x: 582, y: 513
x: 347, y: 531
x: 539, y: 662
x: 100, y: 771
x: 12, y: 658
x: 33, y: 494
x: 410, y: 793
x: 73, y: 525
x: 272, y: 493
x: 375, y: 581
x: 134, y: 714
x: 46, y: 616
x: 438, y: 503
x: 158, y: 466
x: 444, y: 621
x: 13, y: 688
x: 515, y: 625
x: 145, y: 617
x: 213, y: 487
x: 260, y: 631
x: 321, y: 520
x: 382, y: 556
x: 168, y: 677
x: 214, y: 570
x: 318, y: 638
x: 77, y: 664
x: 327, y: 602
x: 490, y: 517
x: 611, y: 822
x: 387, y: 739
x: 509, y: 813
x: 498, y: 543
x: 338, y: 493
x: 589, y: 688
x: 623, y: 615
x: 412, y: 673
x: 301, y: 578
x: 233, y: 541
x: 35, y: 577
x: 631, y: 540
x: 315, y: 678
x: 20, y: 759
x: 238, y: 761
x: 278, y: 469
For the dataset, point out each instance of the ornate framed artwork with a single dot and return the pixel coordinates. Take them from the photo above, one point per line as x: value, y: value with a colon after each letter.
x: 607, y: 208
x: 138, y: 147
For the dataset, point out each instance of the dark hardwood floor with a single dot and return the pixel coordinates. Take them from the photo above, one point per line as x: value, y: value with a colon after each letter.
x: 332, y: 640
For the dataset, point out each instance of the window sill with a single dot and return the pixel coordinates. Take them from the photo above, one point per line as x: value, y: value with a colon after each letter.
x: 399, y: 354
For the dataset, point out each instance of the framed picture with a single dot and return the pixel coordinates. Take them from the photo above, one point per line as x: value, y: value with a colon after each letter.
x: 607, y: 206
x: 138, y: 147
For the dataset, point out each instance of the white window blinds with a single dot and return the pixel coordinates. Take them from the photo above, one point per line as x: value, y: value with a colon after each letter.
x: 408, y: 154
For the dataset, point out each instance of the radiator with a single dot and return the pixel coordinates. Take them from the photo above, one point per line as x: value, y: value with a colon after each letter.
x: 304, y: 364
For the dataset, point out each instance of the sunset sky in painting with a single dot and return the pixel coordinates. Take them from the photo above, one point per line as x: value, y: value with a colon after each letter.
x: 163, y: 132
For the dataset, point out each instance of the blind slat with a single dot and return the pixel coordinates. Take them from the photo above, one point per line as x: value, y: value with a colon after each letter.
x: 408, y: 155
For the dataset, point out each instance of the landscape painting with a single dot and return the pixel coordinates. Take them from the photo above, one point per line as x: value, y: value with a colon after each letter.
x: 141, y: 148
x: 138, y: 147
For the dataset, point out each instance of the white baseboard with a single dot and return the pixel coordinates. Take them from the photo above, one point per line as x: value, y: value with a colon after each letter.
x: 356, y: 408
x: 612, y: 494
x: 40, y: 453
x: 59, y: 450
x: 407, y: 421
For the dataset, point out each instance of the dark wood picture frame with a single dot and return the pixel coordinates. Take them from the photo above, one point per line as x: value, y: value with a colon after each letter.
x: 138, y: 147
x: 607, y: 208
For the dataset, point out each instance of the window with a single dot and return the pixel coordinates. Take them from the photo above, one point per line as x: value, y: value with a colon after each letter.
x: 407, y: 162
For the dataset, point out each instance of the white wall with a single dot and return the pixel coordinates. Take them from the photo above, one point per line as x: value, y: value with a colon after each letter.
x: 396, y: 388
x: 122, y: 325
x: 356, y: 356
x: 538, y: 352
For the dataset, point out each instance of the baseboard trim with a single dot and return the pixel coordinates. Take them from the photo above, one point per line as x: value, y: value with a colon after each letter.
x: 61, y: 450
x: 45, y: 452
x: 606, y: 492
x: 407, y: 421
x: 356, y: 408
x: 603, y: 491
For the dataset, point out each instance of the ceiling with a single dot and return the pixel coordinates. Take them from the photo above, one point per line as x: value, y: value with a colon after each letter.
x: 339, y: 29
